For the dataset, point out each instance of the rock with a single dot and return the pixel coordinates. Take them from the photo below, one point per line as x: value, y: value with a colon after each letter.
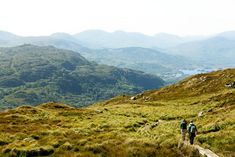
x: 153, y: 125
x: 209, y: 110
x: 146, y: 127
x: 133, y: 98
x: 146, y: 98
x: 29, y: 139
x: 99, y: 111
x: 203, y: 78
x: 200, y: 114
x: 230, y: 85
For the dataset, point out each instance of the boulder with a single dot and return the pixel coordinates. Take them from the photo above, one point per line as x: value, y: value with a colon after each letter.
x: 230, y: 85
x: 133, y: 98
x: 210, y: 110
x: 200, y: 114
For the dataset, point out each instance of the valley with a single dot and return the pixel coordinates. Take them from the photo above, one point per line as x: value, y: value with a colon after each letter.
x: 164, y: 55
x: 33, y: 75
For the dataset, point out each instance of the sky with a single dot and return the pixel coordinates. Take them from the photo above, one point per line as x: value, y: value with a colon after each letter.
x: 180, y: 17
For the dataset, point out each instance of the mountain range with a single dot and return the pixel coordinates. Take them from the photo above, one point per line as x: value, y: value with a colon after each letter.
x: 98, y: 39
x: 144, y: 59
x: 165, y: 55
x: 101, y: 39
x: 32, y: 74
x: 216, y: 51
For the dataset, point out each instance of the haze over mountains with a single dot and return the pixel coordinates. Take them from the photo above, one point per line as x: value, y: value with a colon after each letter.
x: 97, y: 39
x: 120, y: 39
x: 218, y: 50
x: 165, y: 55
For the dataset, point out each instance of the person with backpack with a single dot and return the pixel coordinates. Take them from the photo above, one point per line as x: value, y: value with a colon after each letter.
x: 192, y: 130
x: 183, y: 127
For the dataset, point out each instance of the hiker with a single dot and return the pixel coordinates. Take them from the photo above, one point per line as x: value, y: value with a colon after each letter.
x: 183, y: 127
x: 192, y: 130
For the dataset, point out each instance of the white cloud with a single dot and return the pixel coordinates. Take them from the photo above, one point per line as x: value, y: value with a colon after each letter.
x: 183, y: 17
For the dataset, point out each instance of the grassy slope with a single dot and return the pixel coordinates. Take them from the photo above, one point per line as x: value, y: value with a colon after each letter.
x: 59, y: 130
x: 148, y: 126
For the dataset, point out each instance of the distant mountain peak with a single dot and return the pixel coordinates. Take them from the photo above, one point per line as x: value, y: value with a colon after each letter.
x: 60, y: 34
x: 228, y: 35
x: 162, y: 34
x: 4, y: 35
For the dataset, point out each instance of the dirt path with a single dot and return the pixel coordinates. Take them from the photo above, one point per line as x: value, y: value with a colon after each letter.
x: 202, y: 151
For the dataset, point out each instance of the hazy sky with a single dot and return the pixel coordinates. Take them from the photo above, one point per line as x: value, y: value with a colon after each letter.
x: 182, y: 17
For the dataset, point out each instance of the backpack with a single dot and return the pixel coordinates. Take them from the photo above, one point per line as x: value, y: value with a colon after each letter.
x: 193, y: 129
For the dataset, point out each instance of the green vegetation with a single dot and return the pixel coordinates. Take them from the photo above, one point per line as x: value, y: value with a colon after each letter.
x: 60, y: 130
x: 146, y: 125
x: 34, y: 75
x: 144, y: 59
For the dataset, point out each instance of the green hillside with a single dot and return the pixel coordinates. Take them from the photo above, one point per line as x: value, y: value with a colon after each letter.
x: 208, y: 99
x: 144, y: 125
x: 33, y: 75
x: 144, y: 59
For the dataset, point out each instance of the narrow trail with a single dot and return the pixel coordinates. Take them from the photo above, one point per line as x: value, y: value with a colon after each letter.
x: 145, y: 130
x: 202, y: 151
